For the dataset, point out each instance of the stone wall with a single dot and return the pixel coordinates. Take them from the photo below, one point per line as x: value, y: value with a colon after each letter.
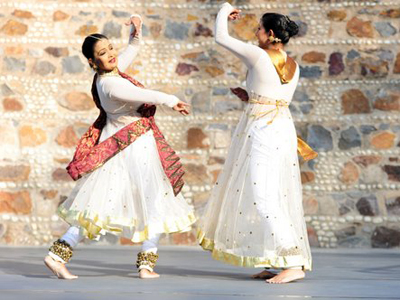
x: 347, y: 106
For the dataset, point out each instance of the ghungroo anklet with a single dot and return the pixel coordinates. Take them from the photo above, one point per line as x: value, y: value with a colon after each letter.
x: 146, y: 260
x: 62, y: 250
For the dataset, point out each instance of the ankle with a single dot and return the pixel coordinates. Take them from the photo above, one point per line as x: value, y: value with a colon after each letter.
x: 146, y: 261
x: 61, y: 251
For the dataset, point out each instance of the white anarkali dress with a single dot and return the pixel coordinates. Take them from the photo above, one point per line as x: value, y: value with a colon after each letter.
x: 254, y: 217
x: 129, y: 195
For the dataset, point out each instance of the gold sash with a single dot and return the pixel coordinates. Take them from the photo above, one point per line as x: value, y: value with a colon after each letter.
x: 305, y: 151
x: 278, y: 104
x: 286, y: 68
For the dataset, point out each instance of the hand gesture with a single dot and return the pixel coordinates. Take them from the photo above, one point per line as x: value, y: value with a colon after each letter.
x: 234, y: 15
x: 182, y: 107
x: 136, y: 21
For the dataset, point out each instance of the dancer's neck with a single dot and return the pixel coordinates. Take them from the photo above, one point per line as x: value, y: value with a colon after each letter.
x: 278, y: 47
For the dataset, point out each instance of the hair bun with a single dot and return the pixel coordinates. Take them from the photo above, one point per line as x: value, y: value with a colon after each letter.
x: 292, y: 28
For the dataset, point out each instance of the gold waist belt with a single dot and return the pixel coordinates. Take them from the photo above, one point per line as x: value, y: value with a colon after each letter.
x: 303, y: 148
x: 278, y: 104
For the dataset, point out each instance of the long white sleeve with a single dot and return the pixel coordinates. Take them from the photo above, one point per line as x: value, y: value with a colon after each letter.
x: 248, y: 53
x: 126, y: 56
x: 120, y: 89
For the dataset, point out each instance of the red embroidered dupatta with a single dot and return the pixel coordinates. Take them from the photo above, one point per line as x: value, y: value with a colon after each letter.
x: 90, y: 154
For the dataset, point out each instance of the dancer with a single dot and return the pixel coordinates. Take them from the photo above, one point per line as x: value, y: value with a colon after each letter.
x: 254, y: 217
x: 129, y: 177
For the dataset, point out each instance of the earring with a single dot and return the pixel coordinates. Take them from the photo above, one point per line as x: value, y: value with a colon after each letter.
x: 274, y: 39
x: 94, y: 67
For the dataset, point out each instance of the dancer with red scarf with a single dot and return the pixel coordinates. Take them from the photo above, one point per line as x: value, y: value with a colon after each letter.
x: 128, y: 178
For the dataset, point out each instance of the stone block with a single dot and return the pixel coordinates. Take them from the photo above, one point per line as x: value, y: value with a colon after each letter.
x: 384, y: 237
x: 57, y: 51
x: 349, y: 138
x: 246, y: 27
x: 349, y: 173
x: 319, y: 138
x: 12, y: 104
x: 393, y: 172
x: 314, y: 57
x: 310, y: 205
x: 60, y: 174
x: 77, y: 101
x: 44, y: 68
x: 59, y: 16
x: 355, y: 102
x: 13, y: 64
x: 176, y: 31
x: 72, y: 64
x: 112, y: 30
x: 385, y: 29
x: 14, y: 173
x: 67, y: 137
x: 86, y: 30
x: 383, y: 140
x: 393, y: 206
x: 310, y: 72
x: 359, y: 28
x: 31, y: 136
x: 23, y: 14
x: 197, y: 139
x: 184, y: 238
x: 368, y: 206
x: 307, y: 177
x: 183, y: 69
x: 202, y: 30
x: 337, y: 15
x: 196, y: 174
x: 14, y: 28
x: 15, y: 203
x: 393, y: 13
x: 367, y: 160
x: 388, y: 101
x: 214, y: 71
x: 336, y: 65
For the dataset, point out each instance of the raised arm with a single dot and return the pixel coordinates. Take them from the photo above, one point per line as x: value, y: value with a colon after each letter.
x: 126, y: 56
x: 248, y: 53
x: 120, y: 89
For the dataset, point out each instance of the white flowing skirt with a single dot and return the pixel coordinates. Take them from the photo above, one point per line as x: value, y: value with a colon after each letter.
x: 255, y: 217
x: 129, y: 195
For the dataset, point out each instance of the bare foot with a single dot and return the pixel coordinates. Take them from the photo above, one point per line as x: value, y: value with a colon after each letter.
x: 146, y: 274
x: 59, y: 269
x: 287, y: 276
x: 263, y: 275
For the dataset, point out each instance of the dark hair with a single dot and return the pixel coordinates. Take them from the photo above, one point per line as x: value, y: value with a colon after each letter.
x: 89, y: 43
x: 281, y: 25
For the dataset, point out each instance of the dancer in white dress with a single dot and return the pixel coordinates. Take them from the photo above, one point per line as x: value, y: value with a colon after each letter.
x: 254, y: 217
x: 127, y: 193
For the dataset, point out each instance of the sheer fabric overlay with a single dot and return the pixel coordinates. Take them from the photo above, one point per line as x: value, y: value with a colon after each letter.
x: 129, y: 195
x: 254, y: 217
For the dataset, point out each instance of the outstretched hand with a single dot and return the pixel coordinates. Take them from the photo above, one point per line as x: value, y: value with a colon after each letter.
x: 135, y: 21
x: 234, y: 15
x: 182, y: 107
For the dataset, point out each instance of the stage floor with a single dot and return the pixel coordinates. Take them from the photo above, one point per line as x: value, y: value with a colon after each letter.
x: 190, y: 273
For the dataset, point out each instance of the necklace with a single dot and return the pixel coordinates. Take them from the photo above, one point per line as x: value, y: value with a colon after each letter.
x: 113, y: 72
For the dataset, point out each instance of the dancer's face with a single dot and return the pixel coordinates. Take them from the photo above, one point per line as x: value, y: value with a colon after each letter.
x: 262, y: 35
x: 105, y: 55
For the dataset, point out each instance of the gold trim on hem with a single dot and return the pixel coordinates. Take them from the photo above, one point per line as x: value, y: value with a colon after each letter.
x: 93, y: 226
x: 275, y: 262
